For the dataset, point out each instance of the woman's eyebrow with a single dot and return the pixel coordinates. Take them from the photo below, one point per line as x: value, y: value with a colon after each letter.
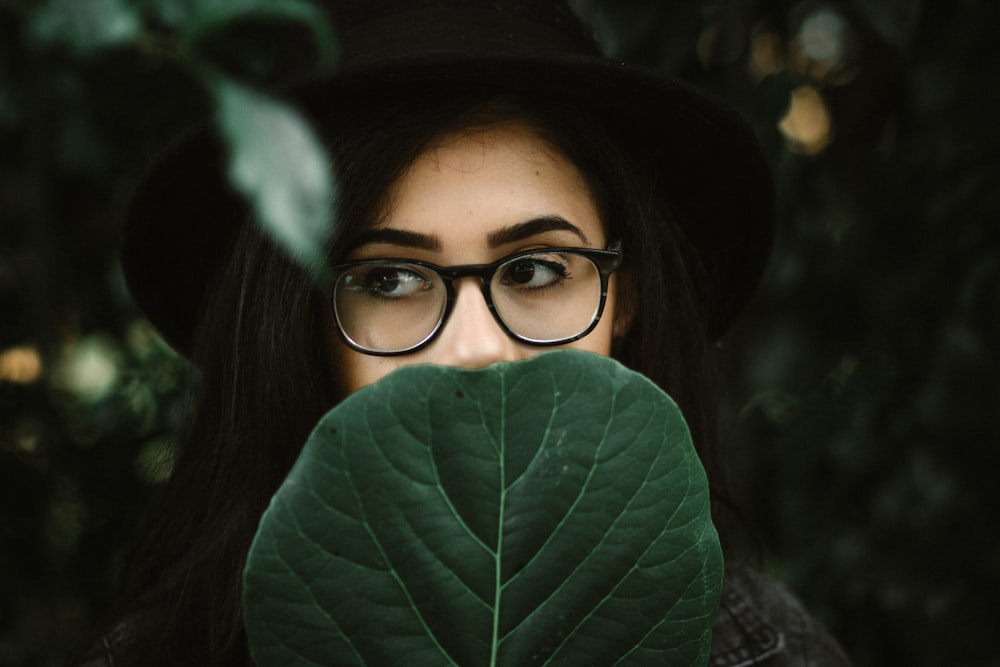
x: 399, y: 237
x: 495, y: 238
x: 540, y: 225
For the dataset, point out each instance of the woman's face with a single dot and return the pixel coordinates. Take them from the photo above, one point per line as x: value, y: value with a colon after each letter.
x: 474, y: 198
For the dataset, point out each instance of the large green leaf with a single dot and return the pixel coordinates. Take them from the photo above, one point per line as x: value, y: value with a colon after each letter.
x: 550, y: 511
x: 278, y: 162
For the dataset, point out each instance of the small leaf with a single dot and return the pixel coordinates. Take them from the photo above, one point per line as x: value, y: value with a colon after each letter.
x: 550, y: 511
x: 278, y: 163
x: 86, y: 25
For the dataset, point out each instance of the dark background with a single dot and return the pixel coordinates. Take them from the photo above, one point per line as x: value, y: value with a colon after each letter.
x: 862, y: 389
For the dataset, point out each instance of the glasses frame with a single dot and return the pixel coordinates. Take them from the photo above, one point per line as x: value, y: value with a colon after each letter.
x: 607, y: 262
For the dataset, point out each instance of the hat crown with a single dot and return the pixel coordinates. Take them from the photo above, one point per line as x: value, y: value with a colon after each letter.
x: 353, y: 13
x: 389, y: 30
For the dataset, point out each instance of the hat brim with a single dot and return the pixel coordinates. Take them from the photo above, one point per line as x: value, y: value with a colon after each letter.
x: 184, y: 213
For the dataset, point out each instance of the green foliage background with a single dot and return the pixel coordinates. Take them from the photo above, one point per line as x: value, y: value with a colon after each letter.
x: 862, y: 385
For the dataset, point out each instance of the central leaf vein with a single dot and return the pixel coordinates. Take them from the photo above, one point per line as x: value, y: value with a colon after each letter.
x: 502, y: 465
x: 576, y: 501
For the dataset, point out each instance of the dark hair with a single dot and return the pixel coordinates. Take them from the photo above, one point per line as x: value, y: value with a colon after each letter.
x: 266, y: 379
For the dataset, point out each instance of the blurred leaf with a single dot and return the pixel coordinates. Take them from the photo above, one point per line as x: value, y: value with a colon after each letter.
x: 196, y: 18
x: 277, y: 161
x: 778, y: 407
x: 895, y: 20
x: 155, y: 461
x: 86, y: 25
x: 552, y: 509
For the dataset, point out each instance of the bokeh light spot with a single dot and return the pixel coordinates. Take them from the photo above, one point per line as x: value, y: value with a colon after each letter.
x: 89, y: 370
x: 767, y: 52
x: 21, y: 365
x: 825, y: 45
x: 807, y: 125
x: 822, y: 37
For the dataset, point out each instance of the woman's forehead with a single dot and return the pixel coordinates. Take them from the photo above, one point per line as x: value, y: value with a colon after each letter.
x: 469, y: 185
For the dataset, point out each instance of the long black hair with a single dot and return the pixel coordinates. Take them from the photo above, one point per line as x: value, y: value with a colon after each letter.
x: 266, y: 376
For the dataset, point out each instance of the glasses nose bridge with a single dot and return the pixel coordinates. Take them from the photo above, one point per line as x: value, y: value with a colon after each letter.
x: 484, y: 272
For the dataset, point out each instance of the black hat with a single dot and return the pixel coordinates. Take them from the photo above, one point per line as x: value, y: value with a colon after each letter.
x: 184, y: 213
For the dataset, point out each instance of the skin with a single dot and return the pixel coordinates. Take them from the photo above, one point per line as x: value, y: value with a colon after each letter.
x: 474, y: 198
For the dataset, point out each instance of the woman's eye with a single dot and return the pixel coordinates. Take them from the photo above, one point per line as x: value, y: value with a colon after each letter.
x: 393, y: 282
x: 535, y: 272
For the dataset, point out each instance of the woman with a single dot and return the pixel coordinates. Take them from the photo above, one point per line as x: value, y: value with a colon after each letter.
x: 464, y: 133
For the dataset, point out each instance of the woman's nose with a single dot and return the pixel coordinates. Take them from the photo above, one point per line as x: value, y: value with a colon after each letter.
x: 471, y: 338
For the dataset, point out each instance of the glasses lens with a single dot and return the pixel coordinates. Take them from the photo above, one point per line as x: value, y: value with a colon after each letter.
x: 547, y: 297
x: 389, y: 306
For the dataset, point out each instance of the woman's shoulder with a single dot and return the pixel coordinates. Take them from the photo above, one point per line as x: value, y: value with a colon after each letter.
x: 124, y: 644
x: 107, y: 649
x: 759, y: 622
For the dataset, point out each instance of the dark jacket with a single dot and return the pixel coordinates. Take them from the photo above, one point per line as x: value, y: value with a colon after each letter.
x: 758, y: 623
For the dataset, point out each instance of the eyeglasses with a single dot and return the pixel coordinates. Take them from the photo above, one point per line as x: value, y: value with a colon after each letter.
x: 548, y: 296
